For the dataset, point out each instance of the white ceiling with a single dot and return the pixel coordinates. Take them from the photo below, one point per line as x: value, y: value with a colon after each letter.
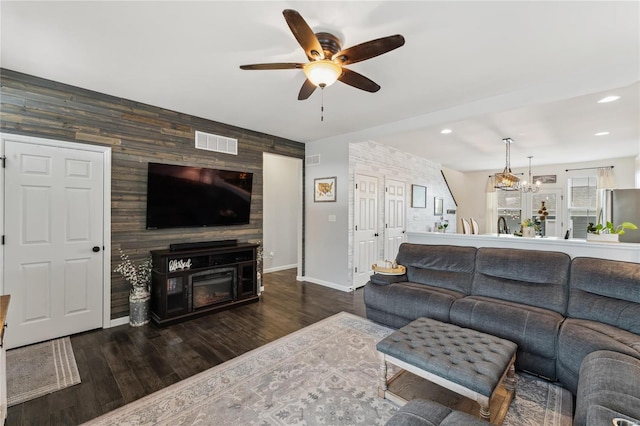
x: 532, y: 71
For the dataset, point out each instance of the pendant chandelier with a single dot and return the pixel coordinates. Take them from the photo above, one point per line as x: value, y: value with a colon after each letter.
x: 528, y: 186
x: 506, y: 180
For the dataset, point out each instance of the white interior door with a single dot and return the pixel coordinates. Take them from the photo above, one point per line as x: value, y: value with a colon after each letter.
x: 394, y: 217
x: 365, y: 250
x: 54, y: 219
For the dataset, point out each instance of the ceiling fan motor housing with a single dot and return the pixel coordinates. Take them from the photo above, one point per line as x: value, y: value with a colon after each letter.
x: 330, y: 44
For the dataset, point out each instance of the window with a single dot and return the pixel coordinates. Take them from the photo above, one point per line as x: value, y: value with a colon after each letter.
x: 582, y: 204
x: 510, y: 207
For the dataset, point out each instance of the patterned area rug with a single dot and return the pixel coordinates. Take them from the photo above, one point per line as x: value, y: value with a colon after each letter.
x: 324, y: 374
x: 36, y: 370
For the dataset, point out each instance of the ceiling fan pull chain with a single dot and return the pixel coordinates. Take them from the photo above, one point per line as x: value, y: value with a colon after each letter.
x: 322, y: 104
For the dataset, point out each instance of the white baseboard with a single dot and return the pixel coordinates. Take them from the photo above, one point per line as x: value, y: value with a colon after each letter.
x: 280, y: 268
x: 118, y: 321
x: 325, y: 283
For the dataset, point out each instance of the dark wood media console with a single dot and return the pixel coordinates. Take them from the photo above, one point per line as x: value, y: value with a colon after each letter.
x: 193, y: 282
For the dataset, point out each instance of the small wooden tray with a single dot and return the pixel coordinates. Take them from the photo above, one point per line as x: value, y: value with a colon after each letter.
x: 400, y: 270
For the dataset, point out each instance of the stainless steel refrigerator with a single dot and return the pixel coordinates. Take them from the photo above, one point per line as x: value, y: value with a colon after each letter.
x: 622, y: 205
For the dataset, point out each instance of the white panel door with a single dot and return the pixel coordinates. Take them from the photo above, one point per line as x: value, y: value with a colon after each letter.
x: 365, y: 250
x: 53, y: 259
x: 395, y: 216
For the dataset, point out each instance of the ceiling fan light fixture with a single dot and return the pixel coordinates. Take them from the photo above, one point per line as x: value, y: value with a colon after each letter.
x: 322, y: 73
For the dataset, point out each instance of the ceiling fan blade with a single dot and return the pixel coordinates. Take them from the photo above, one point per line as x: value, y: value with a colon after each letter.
x: 358, y: 81
x: 369, y: 49
x: 304, y: 34
x: 306, y: 90
x: 274, y: 66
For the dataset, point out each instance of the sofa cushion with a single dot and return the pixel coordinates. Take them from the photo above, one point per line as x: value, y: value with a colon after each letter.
x: 578, y: 338
x: 409, y: 300
x: 533, y: 329
x: 420, y: 412
x: 607, y: 291
x: 532, y: 277
x: 449, y: 267
x: 610, y: 380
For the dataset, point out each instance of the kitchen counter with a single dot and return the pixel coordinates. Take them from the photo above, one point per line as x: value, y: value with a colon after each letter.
x: 629, y: 252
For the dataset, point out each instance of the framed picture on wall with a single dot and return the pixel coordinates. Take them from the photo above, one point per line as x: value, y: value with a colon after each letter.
x: 324, y: 189
x: 437, y: 206
x: 418, y: 197
x: 545, y: 178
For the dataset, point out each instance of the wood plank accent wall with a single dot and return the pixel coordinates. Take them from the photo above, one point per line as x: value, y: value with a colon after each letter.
x: 137, y: 134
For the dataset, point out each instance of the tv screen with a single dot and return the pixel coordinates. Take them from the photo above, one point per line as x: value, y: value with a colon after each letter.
x: 182, y: 196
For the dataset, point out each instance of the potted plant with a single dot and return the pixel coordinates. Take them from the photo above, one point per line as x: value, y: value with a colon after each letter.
x: 140, y: 279
x: 529, y: 228
x: 608, y: 232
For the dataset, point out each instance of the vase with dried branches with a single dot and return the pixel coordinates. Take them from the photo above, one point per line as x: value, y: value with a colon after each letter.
x: 140, y: 279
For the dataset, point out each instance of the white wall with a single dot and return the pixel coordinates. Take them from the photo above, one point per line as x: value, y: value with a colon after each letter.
x: 475, y: 195
x: 326, y: 245
x: 282, y: 205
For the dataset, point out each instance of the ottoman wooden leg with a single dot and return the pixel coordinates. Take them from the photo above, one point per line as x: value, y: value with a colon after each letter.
x: 382, y: 386
x: 484, y: 412
x: 510, y: 380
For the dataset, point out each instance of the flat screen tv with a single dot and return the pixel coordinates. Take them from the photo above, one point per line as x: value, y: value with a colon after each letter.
x: 183, y: 196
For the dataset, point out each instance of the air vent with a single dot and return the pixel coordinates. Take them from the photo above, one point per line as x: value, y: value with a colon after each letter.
x: 217, y: 143
x: 312, y: 160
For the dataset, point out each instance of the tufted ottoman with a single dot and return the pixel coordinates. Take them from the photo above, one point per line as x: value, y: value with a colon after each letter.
x: 462, y: 360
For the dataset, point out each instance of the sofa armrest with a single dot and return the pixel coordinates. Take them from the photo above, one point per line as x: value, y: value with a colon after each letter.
x: 381, y: 279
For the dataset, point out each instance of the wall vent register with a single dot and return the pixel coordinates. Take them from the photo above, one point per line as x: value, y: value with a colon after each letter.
x: 216, y: 143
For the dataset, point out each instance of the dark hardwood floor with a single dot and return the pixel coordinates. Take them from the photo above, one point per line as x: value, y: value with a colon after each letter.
x: 121, y: 364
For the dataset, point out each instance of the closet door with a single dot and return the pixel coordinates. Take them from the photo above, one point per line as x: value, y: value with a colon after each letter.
x: 365, y: 249
x: 394, y: 217
x: 54, y: 241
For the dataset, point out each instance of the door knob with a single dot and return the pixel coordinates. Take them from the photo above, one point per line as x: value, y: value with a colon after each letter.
x: 96, y: 249
x: 375, y: 235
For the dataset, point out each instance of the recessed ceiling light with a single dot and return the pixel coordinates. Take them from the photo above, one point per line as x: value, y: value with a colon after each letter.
x: 608, y: 99
x: 445, y: 131
x: 601, y: 134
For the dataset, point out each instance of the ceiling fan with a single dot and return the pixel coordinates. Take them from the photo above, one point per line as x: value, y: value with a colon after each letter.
x: 327, y: 58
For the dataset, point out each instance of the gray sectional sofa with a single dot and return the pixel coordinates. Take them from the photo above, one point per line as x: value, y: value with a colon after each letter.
x: 557, y: 310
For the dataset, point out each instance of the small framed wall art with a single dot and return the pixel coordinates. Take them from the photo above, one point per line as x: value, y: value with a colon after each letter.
x: 418, y: 197
x: 437, y: 206
x: 324, y: 189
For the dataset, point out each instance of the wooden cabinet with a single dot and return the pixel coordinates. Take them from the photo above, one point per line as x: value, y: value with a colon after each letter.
x: 187, y: 283
x: 4, y: 306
